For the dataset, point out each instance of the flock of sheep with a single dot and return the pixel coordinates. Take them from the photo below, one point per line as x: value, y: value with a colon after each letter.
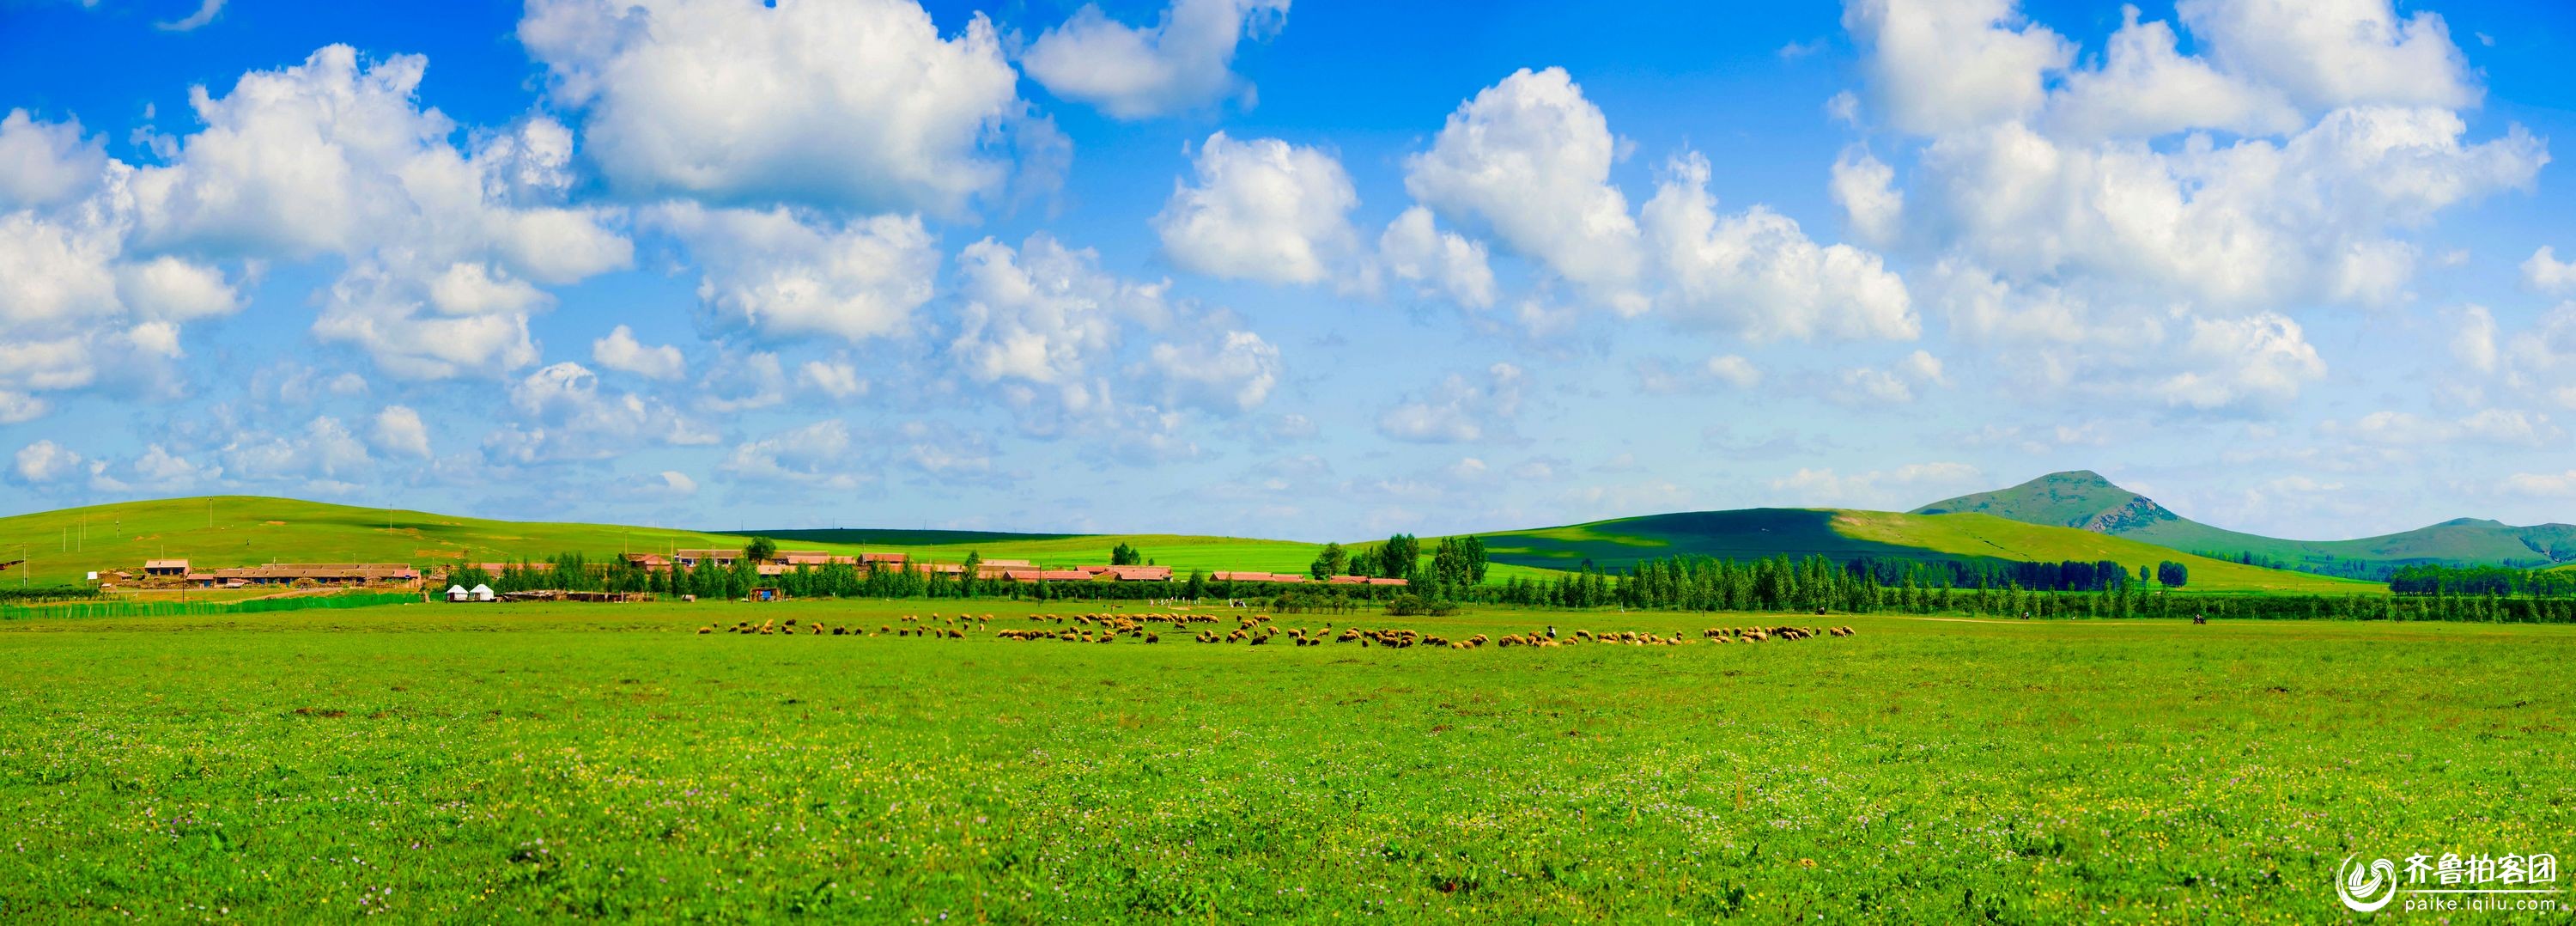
x: 1255, y: 630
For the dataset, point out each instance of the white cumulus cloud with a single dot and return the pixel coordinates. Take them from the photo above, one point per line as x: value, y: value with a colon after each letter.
x: 781, y: 274
x: 1414, y: 248
x: 399, y: 430
x: 857, y: 105
x: 1261, y: 209
x: 1757, y: 274
x: 1185, y: 61
x: 1529, y: 158
x: 45, y: 461
x: 621, y: 351
x: 2545, y: 272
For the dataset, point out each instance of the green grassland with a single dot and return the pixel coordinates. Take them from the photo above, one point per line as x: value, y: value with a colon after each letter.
x: 1799, y: 532
x: 511, y: 763
x: 242, y: 530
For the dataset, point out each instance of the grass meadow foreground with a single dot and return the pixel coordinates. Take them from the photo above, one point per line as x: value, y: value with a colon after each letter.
x: 535, y: 761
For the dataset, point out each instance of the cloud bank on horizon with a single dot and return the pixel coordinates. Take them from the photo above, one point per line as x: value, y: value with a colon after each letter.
x: 1223, y: 266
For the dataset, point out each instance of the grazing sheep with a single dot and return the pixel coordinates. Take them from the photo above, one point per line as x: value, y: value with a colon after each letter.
x: 707, y: 629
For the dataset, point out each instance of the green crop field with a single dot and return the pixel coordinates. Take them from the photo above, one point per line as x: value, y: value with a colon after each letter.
x: 522, y: 762
x: 61, y: 546
x: 1799, y: 532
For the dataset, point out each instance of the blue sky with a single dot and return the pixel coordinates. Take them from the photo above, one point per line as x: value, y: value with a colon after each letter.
x: 1322, y: 271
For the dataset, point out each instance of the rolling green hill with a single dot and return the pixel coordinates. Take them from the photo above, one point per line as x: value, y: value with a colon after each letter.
x: 236, y: 530
x: 1844, y: 535
x: 2083, y: 499
x: 242, y: 530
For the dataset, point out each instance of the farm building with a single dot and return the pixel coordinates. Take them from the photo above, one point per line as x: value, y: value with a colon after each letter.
x: 459, y: 593
x: 165, y: 568
x: 1282, y: 577
x: 692, y: 559
x: 315, y: 573
x: 1141, y: 573
x: 784, y: 560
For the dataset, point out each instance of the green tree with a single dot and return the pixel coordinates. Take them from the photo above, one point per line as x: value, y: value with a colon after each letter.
x: 1458, y: 562
x: 1329, y: 563
x: 1397, y: 558
x: 1124, y: 555
x: 2172, y: 574
x: 760, y: 550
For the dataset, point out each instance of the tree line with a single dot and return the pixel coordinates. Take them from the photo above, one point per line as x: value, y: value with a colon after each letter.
x: 1457, y: 569
x: 2481, y: 580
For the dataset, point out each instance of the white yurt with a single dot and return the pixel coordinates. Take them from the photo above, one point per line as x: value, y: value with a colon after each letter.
x: 458, y: 593
x: 482, y: 593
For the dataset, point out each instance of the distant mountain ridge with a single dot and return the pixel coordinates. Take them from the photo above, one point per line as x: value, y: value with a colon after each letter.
x: 1846, y: 535
x: 2084, y: 499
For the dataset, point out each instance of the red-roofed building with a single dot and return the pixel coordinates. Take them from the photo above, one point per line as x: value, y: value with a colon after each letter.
x: 1347, y: 580
x: 1064, y: 575
x: 1388, y: 582
x: 695, y: 558
x: 316, y: 573
x: 1141, y: 573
